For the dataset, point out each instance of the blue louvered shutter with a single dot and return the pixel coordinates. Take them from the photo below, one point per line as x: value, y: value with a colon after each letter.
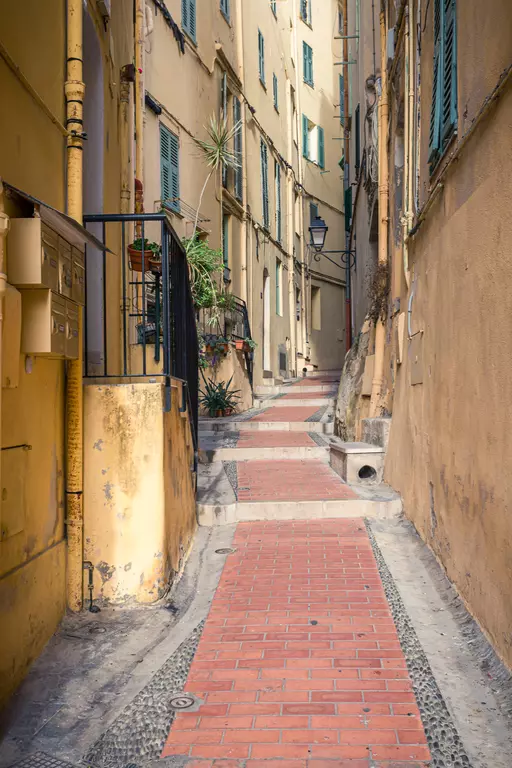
x: 342, y: 100
x: 224, y: 116
x: 321, y: 147
x: 264, y: 184
x: 169, y: 169
x: 435, y: 113
x: 224, y: 7
x: 305, y: 137
x: 276, y: 92
x: 307, y: 63
x: 313, y: 211
x: 449, y: 90
x: 237, y: 116
x: 189, y: 18
x: 261, y: 54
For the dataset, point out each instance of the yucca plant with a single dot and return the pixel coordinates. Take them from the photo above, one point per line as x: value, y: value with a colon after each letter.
x: 217, y: 397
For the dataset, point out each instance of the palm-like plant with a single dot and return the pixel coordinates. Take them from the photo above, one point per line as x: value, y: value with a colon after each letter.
x: 217, y: 154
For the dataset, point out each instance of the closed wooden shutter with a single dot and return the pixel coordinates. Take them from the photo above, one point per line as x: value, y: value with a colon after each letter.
x: 189, y: 17
x: 443, y: 115
x: 278, y: 203
x: 237, y: 116
x: 305, y: 136
x: 321, y: 147
x: 169, y: 169
x: 261, y: 55
x: 264, y: 185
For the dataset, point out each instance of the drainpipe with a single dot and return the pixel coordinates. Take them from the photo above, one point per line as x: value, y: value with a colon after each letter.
x: 346, y: 176
x: 290, y: 239
x: 139, y: 106
x: 4, y: 230
x: 74, y: 90
x: 246, y: 222
x: 408, y: 141
x: 380, y: 329
x: 124, y: 137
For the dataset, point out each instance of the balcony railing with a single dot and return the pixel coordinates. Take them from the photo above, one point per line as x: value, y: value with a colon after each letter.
x: 139, y: 316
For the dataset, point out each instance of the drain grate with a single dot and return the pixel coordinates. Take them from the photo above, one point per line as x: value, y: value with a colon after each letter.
x: 42, y: 760
x: 182, y: 701
x: 225, y: 551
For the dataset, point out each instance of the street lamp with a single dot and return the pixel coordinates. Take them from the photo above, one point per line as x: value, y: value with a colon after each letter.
x: 318, y: 231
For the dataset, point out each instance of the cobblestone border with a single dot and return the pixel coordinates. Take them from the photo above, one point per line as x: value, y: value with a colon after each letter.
x: 319, y: 439
x: 231, y: 471
x: 140, y: 731
x: 443, y: 740
x: 318, y: 415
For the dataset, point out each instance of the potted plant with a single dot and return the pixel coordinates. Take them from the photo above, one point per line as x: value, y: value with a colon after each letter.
x: 222, y: 346
x: 218, y: 399
x: 246, y: 345
x: 152, y: 256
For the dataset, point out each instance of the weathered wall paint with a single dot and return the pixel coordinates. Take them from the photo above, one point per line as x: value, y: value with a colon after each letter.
x: 139, y: 499
x: 450, y: 442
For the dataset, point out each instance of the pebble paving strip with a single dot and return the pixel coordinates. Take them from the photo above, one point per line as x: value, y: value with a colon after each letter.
x: 445, y: 745
x: 140, y: 731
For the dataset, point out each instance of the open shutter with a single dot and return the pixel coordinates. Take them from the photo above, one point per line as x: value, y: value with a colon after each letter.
x: 305, y: 136
x: 184, y: 15
x: 261, y: 54
x: 435, y: 112
x: 175, y: 171
x: 192, y: 18
x: 342, y: 100
x: 321, y: 147
x: 237, y: 116
x: 310, y: 65
x: 264, y: 184
x: 276, y: 92
x: 449, y: 92
x: 278, y: 202
x: 165, y: 166
x: 224, y: 115
x: 358, y: 138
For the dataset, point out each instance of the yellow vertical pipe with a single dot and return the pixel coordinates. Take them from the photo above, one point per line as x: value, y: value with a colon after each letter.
x: 383, y: 114
x: 4, y: 229
x: 139, y: 105
x: 74, y: 91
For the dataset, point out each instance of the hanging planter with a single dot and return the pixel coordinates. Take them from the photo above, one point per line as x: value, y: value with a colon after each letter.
x: 152, y: 258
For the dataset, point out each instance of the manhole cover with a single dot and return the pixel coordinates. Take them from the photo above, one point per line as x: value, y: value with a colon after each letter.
x: 225, y: 551
x: 182, y: 701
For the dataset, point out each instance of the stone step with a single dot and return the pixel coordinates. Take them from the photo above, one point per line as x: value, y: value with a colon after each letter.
x: 287, y: 390
x: 293, y: 402
x: 226, y: 514
x: 211, y: 426
x: 207, y: 456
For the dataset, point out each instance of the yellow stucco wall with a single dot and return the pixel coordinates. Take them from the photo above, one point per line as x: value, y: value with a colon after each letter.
x: 450, y: 443
x: 139, y: 503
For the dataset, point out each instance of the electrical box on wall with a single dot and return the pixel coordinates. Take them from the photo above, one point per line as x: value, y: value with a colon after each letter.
x: 39, y: 258
x: 50, y: 325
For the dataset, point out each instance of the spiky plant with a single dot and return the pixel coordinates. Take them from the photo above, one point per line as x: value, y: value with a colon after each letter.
x: 217, y: 153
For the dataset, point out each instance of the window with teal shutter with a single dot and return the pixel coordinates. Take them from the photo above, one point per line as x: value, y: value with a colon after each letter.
x: 276, y: 93
x: 169, y: 169
x: 278, y: 202
x: 273, y: 5
x: 261, y: 54
x: 443, y: 115
x: 305, y: 137
x: 342, y: 100
x: 321, y: 147
x: 264, y: 184
x: 189, y: 18
x: 307, y: 63
x: 237, y: 116
x: 224, y: 7
x: 305, y: 10
x: 313, y: 211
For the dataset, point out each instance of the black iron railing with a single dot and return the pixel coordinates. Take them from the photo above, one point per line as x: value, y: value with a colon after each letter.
x: 154, y: 334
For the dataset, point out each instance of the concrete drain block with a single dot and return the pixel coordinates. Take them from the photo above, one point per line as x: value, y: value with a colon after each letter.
x: 225, y: 551
x: 357, y: 463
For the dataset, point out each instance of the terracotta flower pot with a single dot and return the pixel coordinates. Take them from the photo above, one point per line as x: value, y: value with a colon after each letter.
x: 240, y: 345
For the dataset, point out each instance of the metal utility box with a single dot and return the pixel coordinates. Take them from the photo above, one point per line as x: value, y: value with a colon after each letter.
x: 50, y: 325
x: 32, y: 255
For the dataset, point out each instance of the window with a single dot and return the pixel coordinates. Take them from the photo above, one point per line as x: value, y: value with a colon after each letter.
x: 225, y: 240
x: 342, y: 100
x: 443, y: 116
x: 169, y: 169
x: 273, y: 5
x: 264, y: 184
x: 358, y: 139
x: 316, y: 308
x: 224, y: 7
x: 340, y: 20
x: 261, y: 53
x: 279, y: 233
x: 307, y: 63
x: 305, y: 11
x: 188, y: 18
x: 279, y: 288
x: 238, y: 147
x: 294, y: 114
x: 224, y: 116
x: 313, y: 211
x: 313, y: 142
x: 276, y: 93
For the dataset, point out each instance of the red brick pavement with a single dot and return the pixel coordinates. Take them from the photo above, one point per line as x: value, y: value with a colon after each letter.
x: 286, y: 413
x: 268, y: 439
x: 316, y: 380
x: 307, y: 395
x: 299, y: 665
x: 290, y: 480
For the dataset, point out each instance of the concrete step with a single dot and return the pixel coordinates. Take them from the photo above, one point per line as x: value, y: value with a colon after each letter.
x: 210, y: 426
x: 207, y: 456
x: 226, y: 514
x: 281, y: 402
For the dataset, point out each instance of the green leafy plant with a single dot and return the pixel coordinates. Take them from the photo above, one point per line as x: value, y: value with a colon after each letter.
x: 153, y: 248
x: 205, y: 267
x: 250, y: 343
x: 217, y: 397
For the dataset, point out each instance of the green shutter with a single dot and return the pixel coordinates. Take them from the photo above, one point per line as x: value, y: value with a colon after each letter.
x: 449, y: 95
x: 237, y: 116
x: 307, y: 63
x: 321, y: 147
x: 261, y: 54
x: 224, y: 115
x: 189, y: 17
x: 276, y: 92
x: 273, y: 5
x: 342, y: 100
x: 305, y: 136
x: 169, y: 169
x: 358, y: 138
x: 225, y: 240
x: 348, y: 208
x: 224, y: 7
x: 313, y: 212
x: 435, y: 113
x: 278, y: 202
x: 264, y: 184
